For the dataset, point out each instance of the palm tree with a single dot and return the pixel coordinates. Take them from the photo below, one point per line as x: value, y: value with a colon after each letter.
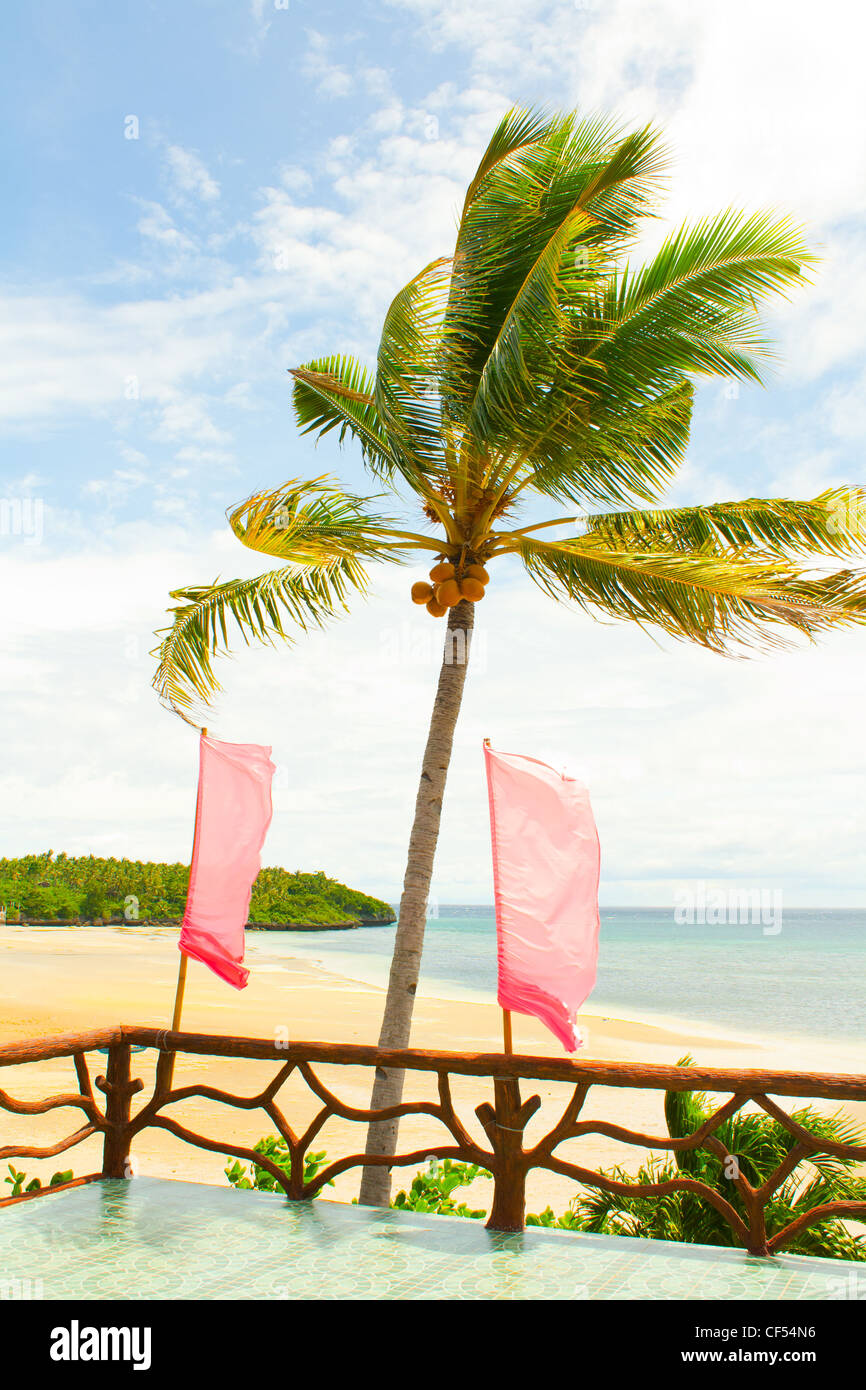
x: 761, y: 1145
x: 535, y: 364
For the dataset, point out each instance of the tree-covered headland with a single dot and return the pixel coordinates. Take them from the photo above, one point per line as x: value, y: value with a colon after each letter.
x: 59, y: 887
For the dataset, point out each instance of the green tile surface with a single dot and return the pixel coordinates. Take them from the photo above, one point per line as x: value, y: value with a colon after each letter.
x: 150, y: 1238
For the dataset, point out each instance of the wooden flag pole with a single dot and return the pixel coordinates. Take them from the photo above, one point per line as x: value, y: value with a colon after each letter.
x: 179, y: 992
x: 166, y: 1072
x: 181, y: 971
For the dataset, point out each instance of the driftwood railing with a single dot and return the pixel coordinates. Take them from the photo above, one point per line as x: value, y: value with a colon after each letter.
x: 503, y: 1122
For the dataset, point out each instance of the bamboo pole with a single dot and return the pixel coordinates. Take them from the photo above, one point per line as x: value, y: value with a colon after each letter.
x: 165, y: 1069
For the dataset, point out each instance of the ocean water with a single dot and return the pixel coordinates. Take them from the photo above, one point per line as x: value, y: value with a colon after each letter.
x: 808, y: 979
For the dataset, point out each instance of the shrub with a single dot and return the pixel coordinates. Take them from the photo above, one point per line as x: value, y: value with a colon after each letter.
x: 20, y: 1185
x: 432, y: 1190
x: 274, y: 1147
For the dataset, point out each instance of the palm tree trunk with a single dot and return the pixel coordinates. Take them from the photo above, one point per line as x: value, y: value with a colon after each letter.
x: 406, y: 961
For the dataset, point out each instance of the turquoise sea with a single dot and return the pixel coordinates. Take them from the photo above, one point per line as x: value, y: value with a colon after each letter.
x: 808, y: 979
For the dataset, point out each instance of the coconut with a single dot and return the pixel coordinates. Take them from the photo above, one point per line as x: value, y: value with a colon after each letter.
x: 421, y: 593
x: 437, y: 609
x: 477, y: 572
x: 444, y: 570
x: 472, y: 589
x: 448, y: 592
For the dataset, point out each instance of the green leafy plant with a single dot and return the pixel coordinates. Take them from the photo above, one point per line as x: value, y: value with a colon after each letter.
x: 20, y: 1185
x: 432, y: 1190
x: 566, y: 1222
x: 275, y: 1148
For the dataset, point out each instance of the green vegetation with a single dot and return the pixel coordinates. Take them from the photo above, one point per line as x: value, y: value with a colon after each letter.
x: 275, y: 1148
x: 57, y: 887
x: 20, y: 1185
x: 432, y: 1190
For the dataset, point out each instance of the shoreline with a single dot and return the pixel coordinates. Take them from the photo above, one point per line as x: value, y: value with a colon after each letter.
x: 370, y: 975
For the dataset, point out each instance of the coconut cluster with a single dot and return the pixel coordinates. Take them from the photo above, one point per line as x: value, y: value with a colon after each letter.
x: 449, y: 585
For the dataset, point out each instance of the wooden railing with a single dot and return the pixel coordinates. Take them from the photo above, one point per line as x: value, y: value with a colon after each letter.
x: 504, y: 1121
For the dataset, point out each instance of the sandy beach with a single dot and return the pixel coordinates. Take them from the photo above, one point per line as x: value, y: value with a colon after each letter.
x: 58, y: 980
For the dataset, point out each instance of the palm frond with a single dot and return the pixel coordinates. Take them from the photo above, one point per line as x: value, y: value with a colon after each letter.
x: 313, y: 522
x: 694, y: 307
x: 519, y: 128
x: 259, y: 608
x: 336, y: 393
x: 406, y: 390
x: 721, y: 602
x: 831, y: 524
x: 539, y: 233
x: 602, y: 454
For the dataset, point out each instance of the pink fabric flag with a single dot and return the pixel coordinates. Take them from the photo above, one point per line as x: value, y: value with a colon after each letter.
x: 233, y: 813
x: 546, y: 860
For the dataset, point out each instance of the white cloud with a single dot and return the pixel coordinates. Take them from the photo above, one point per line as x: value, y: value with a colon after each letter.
x: 25, y: 485
x: 240, y: 396
x: 295, y: 179
x: 117, y: 487
x: 157, y: 225
x: 66, y: 356
x: 189, y: 174
x: 130, y: 455
x: 845, y: 409
x: 186, y: 417
x: 824, y: 328
x: 330, y: 79
x: 259, y: 9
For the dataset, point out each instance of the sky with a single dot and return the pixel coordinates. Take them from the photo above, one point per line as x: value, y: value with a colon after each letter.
x: 200, y: 196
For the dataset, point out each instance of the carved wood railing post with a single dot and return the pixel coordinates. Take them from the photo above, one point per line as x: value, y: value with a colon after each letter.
x: 754, y: 1199
x: 119, y: 1089
x: 504, y: 1126
x: 164, y: 1073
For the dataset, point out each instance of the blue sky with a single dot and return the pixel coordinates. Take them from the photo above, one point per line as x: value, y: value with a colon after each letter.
x: 290, y: 168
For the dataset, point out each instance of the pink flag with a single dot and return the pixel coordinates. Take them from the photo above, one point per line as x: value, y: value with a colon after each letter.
x: 545, y: 877
x: 232, y: 818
